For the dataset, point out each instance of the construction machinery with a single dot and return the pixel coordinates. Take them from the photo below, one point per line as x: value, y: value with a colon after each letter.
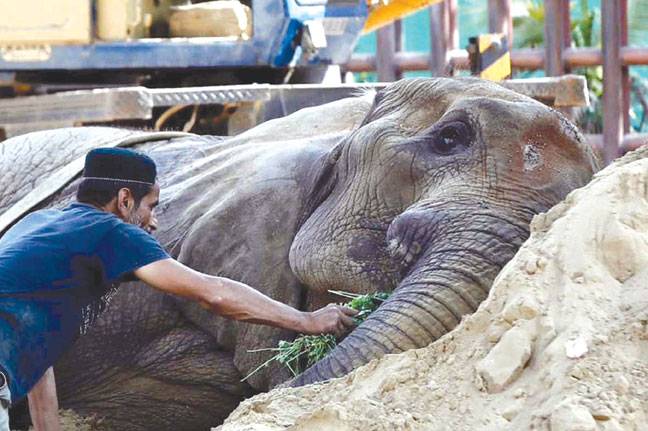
x: 50, y: 47
x: 68, y: 44
x: 215, y: 67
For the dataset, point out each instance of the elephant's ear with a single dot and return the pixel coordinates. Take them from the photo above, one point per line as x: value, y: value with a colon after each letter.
x: 323, y: 180
x: 374, y: 110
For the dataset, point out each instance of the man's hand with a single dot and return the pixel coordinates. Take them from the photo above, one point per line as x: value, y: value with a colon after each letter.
x: 332, y: 319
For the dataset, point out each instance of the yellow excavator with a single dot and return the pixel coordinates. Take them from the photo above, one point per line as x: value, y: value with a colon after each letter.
x: 383, y: 12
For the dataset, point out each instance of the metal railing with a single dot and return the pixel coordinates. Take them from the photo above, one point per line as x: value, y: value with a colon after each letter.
x: 556, y: 58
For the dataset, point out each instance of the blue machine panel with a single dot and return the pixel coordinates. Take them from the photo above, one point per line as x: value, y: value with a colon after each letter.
x: 277, y: 28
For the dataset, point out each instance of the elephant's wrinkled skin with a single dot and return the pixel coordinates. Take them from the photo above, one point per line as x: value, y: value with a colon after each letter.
x: 429, y: 196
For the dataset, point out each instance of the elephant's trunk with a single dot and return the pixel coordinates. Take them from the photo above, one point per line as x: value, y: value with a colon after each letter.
x: 449, y: 280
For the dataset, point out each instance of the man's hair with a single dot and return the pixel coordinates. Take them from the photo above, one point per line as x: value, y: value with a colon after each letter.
x: 101, y: 194
x: 108, y: 170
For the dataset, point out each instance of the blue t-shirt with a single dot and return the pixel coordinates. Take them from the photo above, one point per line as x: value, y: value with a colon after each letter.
x: 56, y: 266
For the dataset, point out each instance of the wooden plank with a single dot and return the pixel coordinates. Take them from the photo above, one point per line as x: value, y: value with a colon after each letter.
x: 438, y: 39
x: 612, y: 79
x: 385, y: 54
x: 558, y: 91
x: 554, y: 39
x: 212, y: 19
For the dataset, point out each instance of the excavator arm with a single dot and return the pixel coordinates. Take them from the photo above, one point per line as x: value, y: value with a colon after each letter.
x: 383, y: 12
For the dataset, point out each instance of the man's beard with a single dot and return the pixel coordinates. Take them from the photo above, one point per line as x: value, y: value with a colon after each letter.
x: 134, y: 218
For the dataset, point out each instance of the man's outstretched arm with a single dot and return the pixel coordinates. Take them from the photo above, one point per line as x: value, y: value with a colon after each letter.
x: 239, y: 301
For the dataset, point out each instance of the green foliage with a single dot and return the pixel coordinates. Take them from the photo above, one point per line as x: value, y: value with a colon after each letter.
x: 585, y: 32
x: 365, y: 304
x: 529, y: 30
x: 309, y: 347
x: 366, y: 77
x: 583, y: 27
x: 306, y: 350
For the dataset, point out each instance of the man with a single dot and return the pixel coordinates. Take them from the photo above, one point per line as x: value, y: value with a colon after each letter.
x: 57, y: 267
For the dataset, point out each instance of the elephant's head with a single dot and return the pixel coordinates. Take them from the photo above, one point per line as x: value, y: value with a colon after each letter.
x: 430, y: 197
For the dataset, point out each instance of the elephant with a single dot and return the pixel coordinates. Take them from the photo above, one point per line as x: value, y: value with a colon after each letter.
x: 425, y: 188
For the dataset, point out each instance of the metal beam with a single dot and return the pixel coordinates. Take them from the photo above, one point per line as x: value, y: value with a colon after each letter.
x: 25, y: 114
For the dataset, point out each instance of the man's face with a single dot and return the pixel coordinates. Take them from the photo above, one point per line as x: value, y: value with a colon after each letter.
x: 144, y: 215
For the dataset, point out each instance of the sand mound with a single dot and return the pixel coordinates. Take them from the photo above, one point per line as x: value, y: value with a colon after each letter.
x: 560, y: 344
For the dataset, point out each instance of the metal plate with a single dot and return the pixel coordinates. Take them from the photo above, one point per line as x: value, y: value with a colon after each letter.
x: 209, y: 95
x: 137, y: 103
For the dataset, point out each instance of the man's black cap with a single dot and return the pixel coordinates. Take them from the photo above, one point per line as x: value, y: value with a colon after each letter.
x: 119, y: 164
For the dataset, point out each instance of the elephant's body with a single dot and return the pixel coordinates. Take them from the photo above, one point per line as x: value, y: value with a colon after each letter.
x: 136, y: 357
x: 251, y: 208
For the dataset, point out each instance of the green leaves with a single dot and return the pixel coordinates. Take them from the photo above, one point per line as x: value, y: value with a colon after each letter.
x: 529, y: 29
x: 306, y: 350
x: 365, y: 304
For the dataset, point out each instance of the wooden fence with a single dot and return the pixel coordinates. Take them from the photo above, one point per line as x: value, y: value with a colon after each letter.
x: 556, y: 58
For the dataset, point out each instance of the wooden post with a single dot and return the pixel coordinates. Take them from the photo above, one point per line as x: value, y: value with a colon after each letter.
x: 612, y: 83
x: 565, y: 22
x: 499, y: 18
x: 453, y: 26
x: 625, y: 70
x: 565, y: 19
x: 385, y: 54
x: 554, y: 37
x: 438, y: 38
x: 398, y: 43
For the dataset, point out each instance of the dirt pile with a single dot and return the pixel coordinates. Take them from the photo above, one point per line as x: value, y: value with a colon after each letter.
x: 560, y: 344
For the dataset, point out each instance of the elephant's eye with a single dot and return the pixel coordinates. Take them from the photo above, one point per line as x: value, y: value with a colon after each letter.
x: 451, y: 138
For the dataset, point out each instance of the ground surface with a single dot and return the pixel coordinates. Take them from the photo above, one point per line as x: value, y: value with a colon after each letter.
x: 560, y: 344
